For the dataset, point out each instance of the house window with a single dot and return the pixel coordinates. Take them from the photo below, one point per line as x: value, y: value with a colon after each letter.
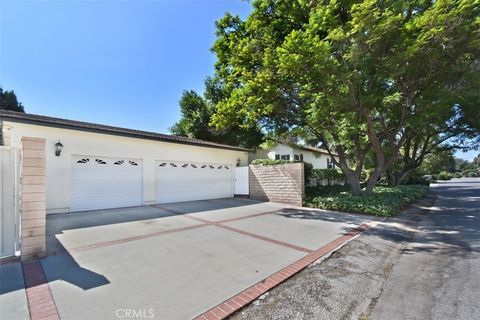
x: 285, y: 157
x: 277, y: 157
x: 298, y: 157
x: 330, y: 164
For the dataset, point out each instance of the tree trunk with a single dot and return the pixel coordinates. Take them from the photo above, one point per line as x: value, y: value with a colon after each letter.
x: 353, y: 181
x: 394, y: 180
x: 403, y: 175
x: 372, y: 181
x: 391, y: 178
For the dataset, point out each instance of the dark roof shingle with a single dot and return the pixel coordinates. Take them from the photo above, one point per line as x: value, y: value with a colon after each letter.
x: 100, y: 128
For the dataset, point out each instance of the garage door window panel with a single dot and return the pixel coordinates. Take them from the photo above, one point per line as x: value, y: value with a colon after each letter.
x: 192, y: 181
x: 99, y: 183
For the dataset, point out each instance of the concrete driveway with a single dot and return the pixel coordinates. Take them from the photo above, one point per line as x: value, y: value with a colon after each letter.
x: 176, y: 261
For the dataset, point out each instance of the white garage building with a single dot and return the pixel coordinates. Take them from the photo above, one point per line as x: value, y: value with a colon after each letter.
x: 102, y: 166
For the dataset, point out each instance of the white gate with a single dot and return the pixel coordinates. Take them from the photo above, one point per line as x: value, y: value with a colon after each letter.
x: 9, y: 204
x: 241, y: 181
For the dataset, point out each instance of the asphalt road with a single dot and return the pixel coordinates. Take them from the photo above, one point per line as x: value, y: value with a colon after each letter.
x: 438, y: 274
x: 421, y: 264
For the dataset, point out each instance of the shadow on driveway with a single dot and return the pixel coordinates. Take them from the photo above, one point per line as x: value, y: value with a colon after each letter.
x: 57, y: 224
x: 60, y: 265
x: 63, y: 267
x: 452, y: 225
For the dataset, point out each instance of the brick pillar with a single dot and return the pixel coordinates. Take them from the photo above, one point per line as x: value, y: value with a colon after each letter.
x: 32, y: 199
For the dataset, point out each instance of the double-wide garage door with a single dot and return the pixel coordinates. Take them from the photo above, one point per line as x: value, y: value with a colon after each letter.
x: 105, y: 182
x: 187, y: 181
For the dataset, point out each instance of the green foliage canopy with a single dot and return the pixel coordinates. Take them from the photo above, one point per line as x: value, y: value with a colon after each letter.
x: 196, y: 113
x: 356, y: 75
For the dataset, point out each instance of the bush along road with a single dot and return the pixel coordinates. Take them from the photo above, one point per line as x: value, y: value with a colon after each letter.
x: 420, y: 264
x: 384, y: 202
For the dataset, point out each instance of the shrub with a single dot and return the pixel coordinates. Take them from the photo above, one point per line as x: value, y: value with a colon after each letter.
x: 328, y: 174
x: 269, y: 162
x: 331, y: 176
x: 416, y: 178
x: 308, y: 172
x: 325, y: 190
x: 444, y: 175
x: 472, y: 173
x: 383, y: 202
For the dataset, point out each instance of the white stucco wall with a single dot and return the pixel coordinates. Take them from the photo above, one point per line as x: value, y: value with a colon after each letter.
x: 270, y: 153
x: 58, y: 169
x: 318, y: 160
x: 280, y: 149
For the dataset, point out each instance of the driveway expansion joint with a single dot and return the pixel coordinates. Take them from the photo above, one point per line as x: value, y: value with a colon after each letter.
x: 246, y: 233
x: 124, y: 240
x: 240, y: 300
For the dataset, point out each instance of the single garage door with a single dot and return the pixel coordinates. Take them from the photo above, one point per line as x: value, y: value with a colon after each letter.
x: 187, y: 181
x: 103, y: 182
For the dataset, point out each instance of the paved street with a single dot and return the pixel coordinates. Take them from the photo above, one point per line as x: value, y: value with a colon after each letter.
x: 438, y: 274
x: 420, y: 264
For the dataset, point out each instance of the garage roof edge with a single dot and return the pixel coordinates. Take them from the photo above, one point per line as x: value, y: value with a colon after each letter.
x: 105, y: 129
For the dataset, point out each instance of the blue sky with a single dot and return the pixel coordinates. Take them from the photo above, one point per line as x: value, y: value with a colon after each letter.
x: 121, y: 63
x: 116, y: 62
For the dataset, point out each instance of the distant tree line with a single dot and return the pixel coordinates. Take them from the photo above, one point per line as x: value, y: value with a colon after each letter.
x: 8, y: 101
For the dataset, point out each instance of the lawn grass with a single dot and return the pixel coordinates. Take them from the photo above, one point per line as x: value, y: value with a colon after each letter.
x: 383, y: 202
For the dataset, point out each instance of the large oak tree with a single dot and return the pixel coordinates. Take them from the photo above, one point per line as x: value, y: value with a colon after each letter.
x: 357, y: 76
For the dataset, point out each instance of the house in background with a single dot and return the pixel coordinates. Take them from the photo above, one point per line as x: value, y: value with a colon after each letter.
x: 319, y: 158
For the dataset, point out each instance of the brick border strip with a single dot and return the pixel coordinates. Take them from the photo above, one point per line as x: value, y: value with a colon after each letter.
x: 124, y: 240
x: 249, y: 216
x: 246, y: 233
x: 203, y: 223
x: 41, y: 305
x: 8, y: 260
x: 178, y: 213
x: 242, y: 299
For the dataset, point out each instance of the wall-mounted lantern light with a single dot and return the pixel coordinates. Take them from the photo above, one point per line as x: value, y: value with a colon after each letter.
x: 58, y: 148
x: 238, y: 162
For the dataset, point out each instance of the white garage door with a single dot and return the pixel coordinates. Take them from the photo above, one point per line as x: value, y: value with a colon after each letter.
x: 187, y: 181
x: 102, y: 182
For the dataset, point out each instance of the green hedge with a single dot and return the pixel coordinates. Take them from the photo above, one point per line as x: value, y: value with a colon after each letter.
x: 383, y: 202
x: 471, y: 173
x: 416, y: 178
x: 327, y: 190
x: 269, y: 162
x: 328, y: 174
x: 444, y: 175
